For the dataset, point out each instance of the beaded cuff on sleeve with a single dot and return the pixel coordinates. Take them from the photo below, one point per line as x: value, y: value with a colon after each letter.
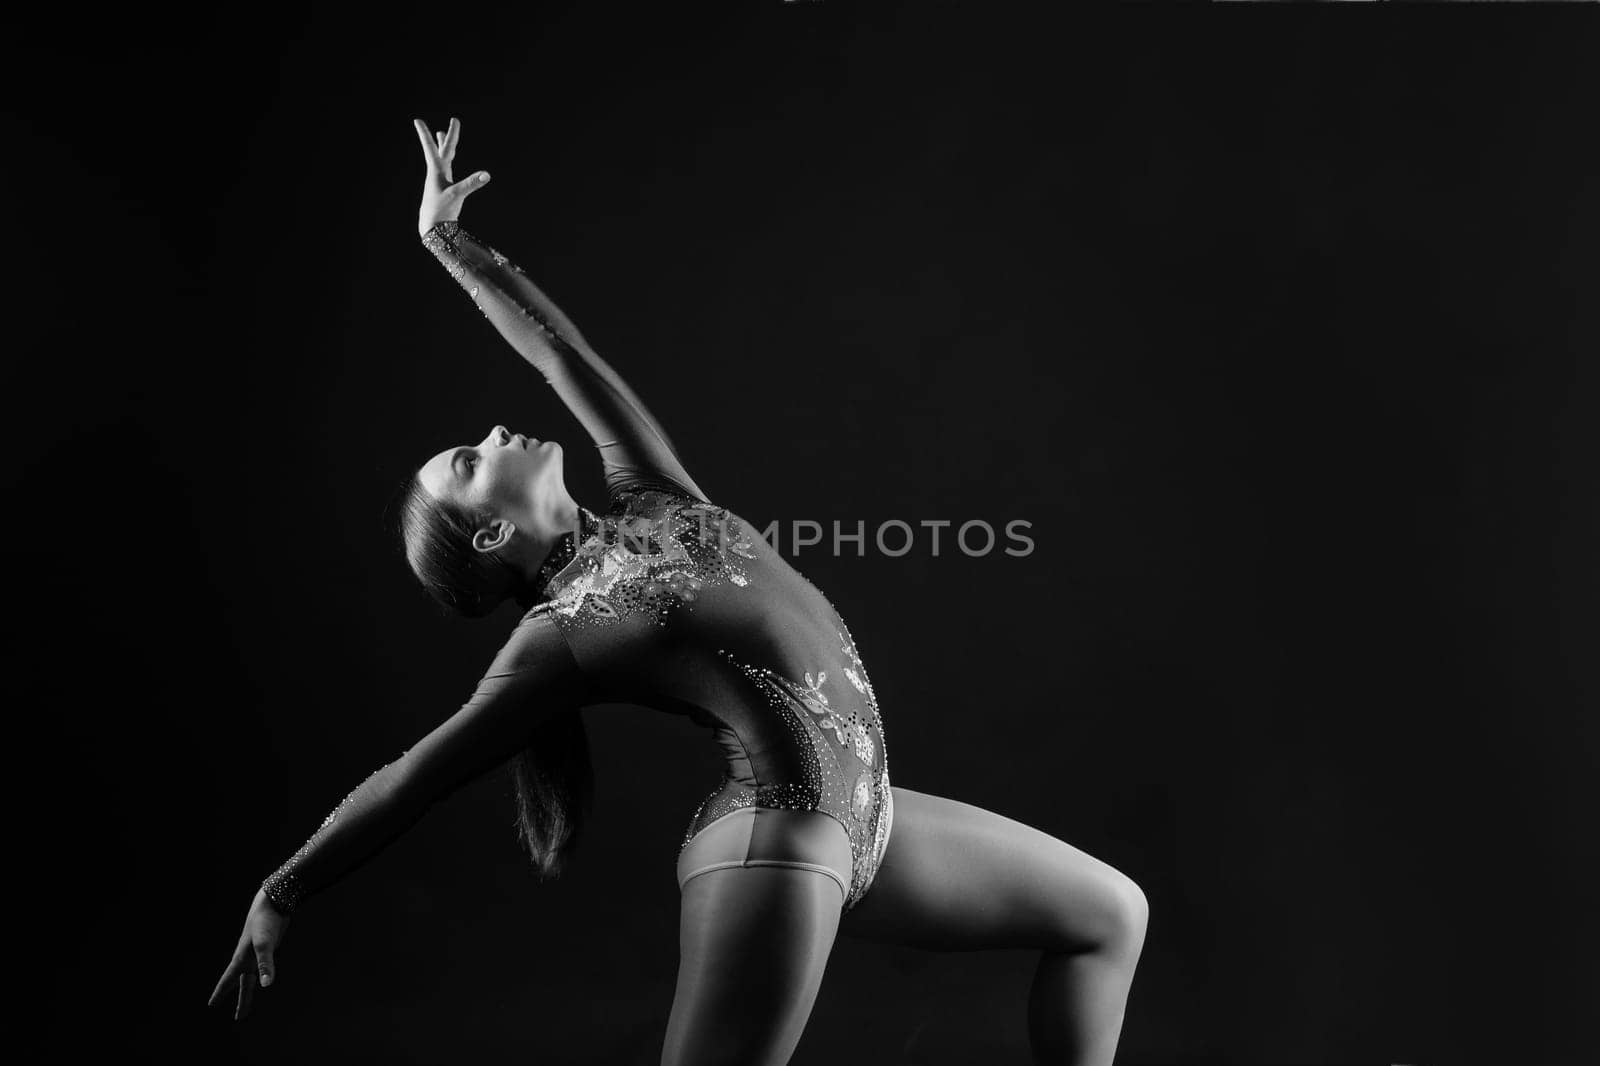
x: 446, y: 241
x: 283, y: 886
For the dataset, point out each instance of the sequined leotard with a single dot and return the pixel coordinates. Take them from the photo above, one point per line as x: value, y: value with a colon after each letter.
x: 664, y: 599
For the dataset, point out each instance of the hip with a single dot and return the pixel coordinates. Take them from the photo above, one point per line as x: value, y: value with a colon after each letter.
x: 765, y: 836
x: 779, y: 825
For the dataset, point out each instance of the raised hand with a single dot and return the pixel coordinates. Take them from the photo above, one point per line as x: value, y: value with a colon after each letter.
x: 442, y: 195
x: 253, y: 961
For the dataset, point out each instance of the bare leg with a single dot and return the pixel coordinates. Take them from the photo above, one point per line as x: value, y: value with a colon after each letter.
x: 753, y: 944
x: 960, y: 878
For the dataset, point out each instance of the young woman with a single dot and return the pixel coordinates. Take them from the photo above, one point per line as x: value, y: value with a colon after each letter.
x: 667, y: 599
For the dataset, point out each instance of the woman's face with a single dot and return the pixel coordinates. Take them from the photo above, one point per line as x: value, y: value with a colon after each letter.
x: 506, y: 476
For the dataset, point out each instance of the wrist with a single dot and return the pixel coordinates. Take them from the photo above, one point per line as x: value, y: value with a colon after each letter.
x: 428, y: 225
x: 281, y: 891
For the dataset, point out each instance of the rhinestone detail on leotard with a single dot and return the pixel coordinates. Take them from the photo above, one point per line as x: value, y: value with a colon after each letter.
x: 443, y: 241
x: 846, y: 779
x: 283, y: 885
x: 822, y: 746
x: 658, y: 556
x: 653, y: 558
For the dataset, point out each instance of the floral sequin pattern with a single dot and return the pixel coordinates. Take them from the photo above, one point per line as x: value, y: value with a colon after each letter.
x: 658, y: 556
x: 858, y: 675
x: 808, y: 737
x: 850, y: 730
x: 849, y: 768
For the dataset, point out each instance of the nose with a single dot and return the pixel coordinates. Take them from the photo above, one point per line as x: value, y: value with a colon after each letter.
x: 498, y: 435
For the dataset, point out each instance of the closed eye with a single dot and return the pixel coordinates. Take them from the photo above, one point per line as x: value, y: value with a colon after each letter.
x: 463, y: 463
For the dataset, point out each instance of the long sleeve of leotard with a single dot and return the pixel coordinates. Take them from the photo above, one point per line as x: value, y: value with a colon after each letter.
x: 633, y: 447
x: 533, y: 678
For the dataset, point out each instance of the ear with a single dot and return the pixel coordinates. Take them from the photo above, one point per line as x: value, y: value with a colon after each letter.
x: 494, y: 536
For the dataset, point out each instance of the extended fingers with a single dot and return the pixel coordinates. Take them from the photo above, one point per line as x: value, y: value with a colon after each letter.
x: 467, y: 186
x: 247, y: 994
x: 438, y: 147
x: 223, y: 983
x: 430, y: 148
x: 240, y: 953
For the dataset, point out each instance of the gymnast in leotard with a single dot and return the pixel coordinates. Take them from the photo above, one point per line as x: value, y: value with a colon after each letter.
x: 665, y: 598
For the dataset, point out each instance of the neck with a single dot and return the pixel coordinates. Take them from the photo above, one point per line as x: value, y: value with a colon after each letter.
x: 566, y: 516
x: 569, y: 521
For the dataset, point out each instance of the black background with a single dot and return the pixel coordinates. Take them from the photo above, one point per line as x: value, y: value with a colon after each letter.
x: 1279, y: 326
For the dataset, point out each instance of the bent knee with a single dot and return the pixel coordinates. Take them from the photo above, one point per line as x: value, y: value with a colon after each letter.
x: 1132, y: 914
x: 1113, y: 922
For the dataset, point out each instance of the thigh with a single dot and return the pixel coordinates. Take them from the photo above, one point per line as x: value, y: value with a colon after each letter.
x: 753, y: 944
x: 957, y: 877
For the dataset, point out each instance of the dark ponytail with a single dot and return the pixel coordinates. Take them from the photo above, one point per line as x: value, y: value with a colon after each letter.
x: 554, y: 775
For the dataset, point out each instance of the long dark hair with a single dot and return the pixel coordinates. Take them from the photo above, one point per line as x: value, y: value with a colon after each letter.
x: 554, y: 775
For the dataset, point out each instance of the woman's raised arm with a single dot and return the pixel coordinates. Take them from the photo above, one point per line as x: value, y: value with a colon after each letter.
x: 631, y: 442
x: 533, y: 679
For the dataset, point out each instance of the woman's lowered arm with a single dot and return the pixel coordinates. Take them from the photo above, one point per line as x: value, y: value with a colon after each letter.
x: 533, y: 679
